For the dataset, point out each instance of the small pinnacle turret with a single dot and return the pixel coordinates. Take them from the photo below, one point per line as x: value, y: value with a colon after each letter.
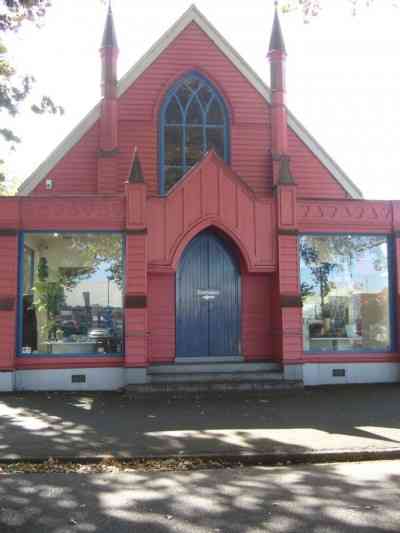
x: 136, y: 174
x: 109, y: 36
x: 276, y: 42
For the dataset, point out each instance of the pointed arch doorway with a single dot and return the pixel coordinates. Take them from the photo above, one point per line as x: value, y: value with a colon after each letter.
x: 208, y: 299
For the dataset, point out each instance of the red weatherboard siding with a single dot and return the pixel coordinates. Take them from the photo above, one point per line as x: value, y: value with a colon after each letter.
x: 250, y: 131
x: 288, y: 264
x: 312, y: 178
x: 250, y: 128
x: 138, y: 121
x: 256, y: 316
x: 77, y: 171
x: 8, y: 288
x: 162, y: 317
x: 211, y: 195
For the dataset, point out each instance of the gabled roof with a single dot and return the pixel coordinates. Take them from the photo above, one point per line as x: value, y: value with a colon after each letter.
x: 191, y: 15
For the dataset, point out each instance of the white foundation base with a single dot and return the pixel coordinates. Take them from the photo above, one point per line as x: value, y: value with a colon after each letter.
x: 7, y: 381
x: 332, y: 373
x: 78, y: 379
x: 106, y: 379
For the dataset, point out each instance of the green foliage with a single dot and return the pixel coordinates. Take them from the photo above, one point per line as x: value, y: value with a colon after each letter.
x: 49, y: 295
x: 14, y: 88
x: 311, y: 8
x: 326, y: 256
x: 103, y: 249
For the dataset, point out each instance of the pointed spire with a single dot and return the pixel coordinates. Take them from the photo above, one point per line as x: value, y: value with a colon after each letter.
x: 277, y: 42
x: 136, y: 174
x: 109, y: 35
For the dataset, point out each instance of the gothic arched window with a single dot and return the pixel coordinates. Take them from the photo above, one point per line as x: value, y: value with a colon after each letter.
x: 193, y: 120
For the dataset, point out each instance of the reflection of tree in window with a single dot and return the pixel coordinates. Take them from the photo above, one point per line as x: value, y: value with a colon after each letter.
x: 193, y: 121
x: 77, y: 303
x: 345, y: 292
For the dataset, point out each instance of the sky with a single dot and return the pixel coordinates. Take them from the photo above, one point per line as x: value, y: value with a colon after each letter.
x: 343, y: 74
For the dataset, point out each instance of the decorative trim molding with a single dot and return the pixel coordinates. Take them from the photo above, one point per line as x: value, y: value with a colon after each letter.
x: 135, y: 301
x: 140, y: 231
x: 375, y: 214
x: 7, y: 303
x: 191, y: 15
x: 107, y: 154
x: 290, y: 300
x: 292, y: 232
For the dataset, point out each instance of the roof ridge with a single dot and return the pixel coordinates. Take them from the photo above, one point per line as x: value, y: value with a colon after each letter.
x: 192, y: 14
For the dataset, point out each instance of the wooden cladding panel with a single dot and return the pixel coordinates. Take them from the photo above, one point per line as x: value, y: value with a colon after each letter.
x: 136, y: 264
x: 162, y: 317
x: 138, y: 124
x: 348, y: 215
x: 292, y: 334
x: 8, y: 294
x: 212, y: 195
x: 135, y: 301
x: 73, y: 213
x: 256, y: 316
x: 7, y: 303
x: 288, y: 264
x: 76, y: 172
x: 313, y: 179
x: 9, y: 213
x: 250, y: 128
x: 144, y: 135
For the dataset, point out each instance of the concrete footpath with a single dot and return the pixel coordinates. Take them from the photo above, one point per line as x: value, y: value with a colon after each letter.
x: 363, y: 419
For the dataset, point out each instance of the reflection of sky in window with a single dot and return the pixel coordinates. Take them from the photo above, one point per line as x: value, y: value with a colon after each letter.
x: 102, y: 272
x: 97, y: 286
x: 358, y: 275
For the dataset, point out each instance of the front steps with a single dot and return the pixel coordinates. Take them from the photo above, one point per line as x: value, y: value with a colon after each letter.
x: 217, y: 376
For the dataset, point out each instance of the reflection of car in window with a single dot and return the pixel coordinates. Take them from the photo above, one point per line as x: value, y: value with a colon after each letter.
x: 105, y: 338
x: 76, y: 296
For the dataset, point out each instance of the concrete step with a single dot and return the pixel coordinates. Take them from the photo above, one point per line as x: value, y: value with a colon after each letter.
x: 215, y: 368
x: 197, y: 387
x: 207, y: 377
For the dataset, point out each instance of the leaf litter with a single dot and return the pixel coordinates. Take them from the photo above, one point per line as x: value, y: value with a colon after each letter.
x: 113, y: 464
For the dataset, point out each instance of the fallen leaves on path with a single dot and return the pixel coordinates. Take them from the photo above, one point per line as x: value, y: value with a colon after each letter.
x: 111, y: 464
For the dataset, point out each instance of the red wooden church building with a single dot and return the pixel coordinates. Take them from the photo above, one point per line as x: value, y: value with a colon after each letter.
x: 190, y: 229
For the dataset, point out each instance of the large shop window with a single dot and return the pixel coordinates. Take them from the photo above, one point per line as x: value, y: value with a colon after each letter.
x: 72, y: 294
x: 345, y: 293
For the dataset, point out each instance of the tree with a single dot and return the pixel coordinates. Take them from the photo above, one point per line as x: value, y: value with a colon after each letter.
x: 15, y: 87
x: 311, y: 8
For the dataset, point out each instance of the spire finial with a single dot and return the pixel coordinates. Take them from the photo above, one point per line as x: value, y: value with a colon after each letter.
x: 136, y: 174
x: 277, y: 42
x: 109, y: 35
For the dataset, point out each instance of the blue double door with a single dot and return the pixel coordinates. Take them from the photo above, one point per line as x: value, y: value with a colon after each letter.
x: 208, y: 299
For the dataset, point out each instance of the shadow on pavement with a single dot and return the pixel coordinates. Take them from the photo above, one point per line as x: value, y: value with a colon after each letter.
x: 301, y: 499
x: 79, y: 424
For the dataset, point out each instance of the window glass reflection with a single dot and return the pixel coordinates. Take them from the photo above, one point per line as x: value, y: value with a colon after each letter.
x: 345, y: 293
x: 73, y: 303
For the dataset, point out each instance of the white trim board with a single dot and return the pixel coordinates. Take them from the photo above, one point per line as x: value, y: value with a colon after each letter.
x: 191, y: 15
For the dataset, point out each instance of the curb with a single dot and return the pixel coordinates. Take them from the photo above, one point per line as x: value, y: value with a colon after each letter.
x: 245, y: 459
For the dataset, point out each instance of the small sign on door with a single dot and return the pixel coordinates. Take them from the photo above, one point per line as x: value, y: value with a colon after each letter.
x: 207, y: 294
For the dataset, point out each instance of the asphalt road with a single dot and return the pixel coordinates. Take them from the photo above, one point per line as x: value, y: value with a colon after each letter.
x: 358, y: 497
